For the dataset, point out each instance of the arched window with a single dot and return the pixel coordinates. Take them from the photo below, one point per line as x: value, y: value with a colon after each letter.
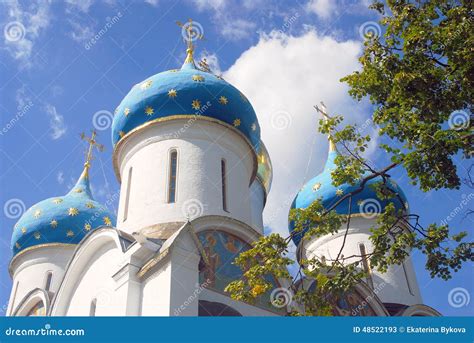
x: 365, y: 263
x: 215, y: 309
x: 37, y: 310
x: 47, y: 283
x: 224, y: 185
x: 93, y: 307
x: 127, y: 194
x: 172, y: 176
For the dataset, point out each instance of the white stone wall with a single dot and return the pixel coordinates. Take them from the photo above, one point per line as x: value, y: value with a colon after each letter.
x: 390, y: 287
x: 199, y: 189
x: 30, y: 269
x: 257, y: 201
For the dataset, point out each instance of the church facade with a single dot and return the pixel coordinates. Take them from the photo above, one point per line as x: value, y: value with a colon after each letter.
x: 194, y: 178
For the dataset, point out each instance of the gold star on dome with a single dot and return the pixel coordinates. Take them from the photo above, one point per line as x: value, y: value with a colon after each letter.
x: 87, y: 227
x: 58, y: 201
x: 73, y: 211
x: 23, y: 230
x: 121, y: 134
x: 339, y: 192
x: 54, y: 223
x: 69, y: 233
x: 360, y: 202
x: 172, y: 93
x: 149, y: 111
x: 237, y: 122
x: 78, y: 190
x: 37, y: 235
x: 196, y: 104
x: 173, y: 70
x: 198, y: 78
x: 316, y: 186
x: 37, y: 214
x: 126, y: 111
x: 223, y: 100
x: 107, y: 221
x: 17, y: 245
x: 90, y: 205
x: 147, y: 84
x: 254, y: 127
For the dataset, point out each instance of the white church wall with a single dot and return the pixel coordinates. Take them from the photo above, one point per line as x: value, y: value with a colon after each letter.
x: 30, y: 271
x: 200, y: 147
x: 257, y: 200
x: 397, y: 285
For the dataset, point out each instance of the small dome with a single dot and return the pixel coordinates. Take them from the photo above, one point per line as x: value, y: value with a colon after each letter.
x: 265, y: 169
x: 364, y: 203
x: 64, y: 219
x: 185, y: 92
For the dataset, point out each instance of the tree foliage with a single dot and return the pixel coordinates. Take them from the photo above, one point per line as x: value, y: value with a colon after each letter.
x: 418, y: 75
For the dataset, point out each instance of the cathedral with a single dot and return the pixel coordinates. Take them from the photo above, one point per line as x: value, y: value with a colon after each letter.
x: 194, y: 177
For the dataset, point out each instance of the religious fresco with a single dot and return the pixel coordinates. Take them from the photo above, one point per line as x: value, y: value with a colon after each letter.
x: 352, y: 304
x: 221, y: 249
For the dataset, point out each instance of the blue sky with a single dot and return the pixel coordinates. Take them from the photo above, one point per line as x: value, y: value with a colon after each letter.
x: 62, y: 64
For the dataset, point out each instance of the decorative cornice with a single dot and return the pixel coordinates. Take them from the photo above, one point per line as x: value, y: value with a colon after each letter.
x: 148, y: 124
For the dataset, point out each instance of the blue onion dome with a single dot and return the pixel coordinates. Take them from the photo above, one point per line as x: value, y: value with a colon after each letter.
x: 265, y: 169
x: 61, y: 220
x: 366, y: 203
x: 185, y: 93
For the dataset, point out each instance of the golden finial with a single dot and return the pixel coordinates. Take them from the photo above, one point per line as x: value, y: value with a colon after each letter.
x: 323, y: 111
x: 92, y: 143
x: 191, y: 31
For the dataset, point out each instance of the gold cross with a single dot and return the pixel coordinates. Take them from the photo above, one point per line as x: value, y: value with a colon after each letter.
x: 192, y: 34
x: 92, y: 143
x: 323, y: 111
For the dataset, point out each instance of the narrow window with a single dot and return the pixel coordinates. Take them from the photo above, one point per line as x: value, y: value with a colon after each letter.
x: 224, y: 185
x: 93, y: 307
x: 365, y: 263
x: 47, y: 284
x: 172, y: 176
x: 127, y: 194
x: 406, y: 278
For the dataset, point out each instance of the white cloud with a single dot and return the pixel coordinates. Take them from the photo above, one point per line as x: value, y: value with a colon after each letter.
x: 60, y: 177
x: 81, y: 33
x: 56, y: 122
x: 324, y: 9
x: 284, y: 76
x: 81, y: 5
x: 230, y: 20
x: 153, y: 3
x: 23, y: 26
